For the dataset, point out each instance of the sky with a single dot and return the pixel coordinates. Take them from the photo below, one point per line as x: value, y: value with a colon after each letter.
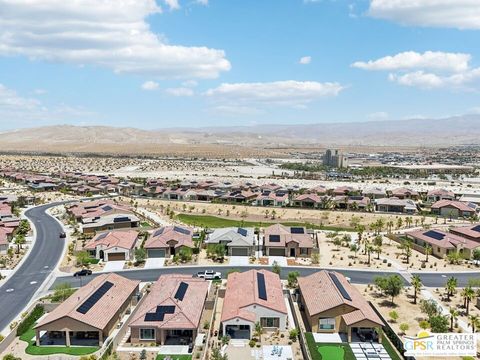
x: 192, y: 63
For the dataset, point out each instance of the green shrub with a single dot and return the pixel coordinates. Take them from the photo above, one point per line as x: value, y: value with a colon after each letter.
x: 28, y: 322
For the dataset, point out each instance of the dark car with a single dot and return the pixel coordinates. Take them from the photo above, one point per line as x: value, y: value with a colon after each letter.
x: 62, y: 235
x: 83, y: 272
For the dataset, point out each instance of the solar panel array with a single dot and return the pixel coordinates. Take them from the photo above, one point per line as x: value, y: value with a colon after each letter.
x: 434, y: 235
x: 121, y: 218
x: 160, y: 312
x: 158, y: 232
x: 242, y: 232
x: 476, y: 228
x: 339, y: 286
x: 262, y: 290
x: 102, y: 236
x: 107, y: 208
x: 274, y: 238
x: 297, y: 230
x: 93, y: 299
x: 182, y: 289
x: 181, y: 230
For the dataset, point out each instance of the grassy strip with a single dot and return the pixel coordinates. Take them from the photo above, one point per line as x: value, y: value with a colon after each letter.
x: 390, y: 348
x: 174, y: 357
x: 33, y: 349
x: 314, y: 348
x: 208, y: 221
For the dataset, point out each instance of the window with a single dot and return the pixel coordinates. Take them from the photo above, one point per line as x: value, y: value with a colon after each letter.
x: 303, y: 251
x: 147, y: 334
x: 270, y: 322
x: 327, y: 324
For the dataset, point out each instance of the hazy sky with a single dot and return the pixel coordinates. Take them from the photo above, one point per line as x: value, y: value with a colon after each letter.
x: 169, y: 63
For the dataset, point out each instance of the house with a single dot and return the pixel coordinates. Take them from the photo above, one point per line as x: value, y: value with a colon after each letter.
x: 319, y: 190
x: 253, y: 296
x: 343, y: 190
x: 113, y: 245
x: 332, y: 305
x: 96, y: 208
x: 109, y: 222
x: 396, y: 205
x: 170, y: 314
x: 239, y: 196
x: 272, y: 198
x: 280, y: 240
x: 168, y: 241
x: 442, y: 243
x: 375, y: 193
x: 439, y: 194
x: 238, y: 241
x: 311, y: 201
x: 404, y: 193
x: 3, y: 241
x: 454, y: 209
x: 352, y: 202
x: 88, y: 317
x: 470, y: 232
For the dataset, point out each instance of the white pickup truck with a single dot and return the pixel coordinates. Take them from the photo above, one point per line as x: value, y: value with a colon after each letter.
x: 209, y: 275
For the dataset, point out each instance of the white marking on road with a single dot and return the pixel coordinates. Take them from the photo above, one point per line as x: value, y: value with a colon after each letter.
x: 10, y: 290
x: 33, y: 282
x: 444, y: 275
x: 45, y: 267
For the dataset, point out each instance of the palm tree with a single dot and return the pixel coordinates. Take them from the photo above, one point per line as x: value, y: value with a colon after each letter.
x: 417, y: 285
x: 360, y: 230
x: 428, y: 251
x: 453, y: 317
x: 390, y: 226
x: 369, y: 248
x: 474, y: 320
x: 399, y: 223
x: 258, y: 330
x: 468, y: 295
x: 19, y: 241
x: 451, y: 286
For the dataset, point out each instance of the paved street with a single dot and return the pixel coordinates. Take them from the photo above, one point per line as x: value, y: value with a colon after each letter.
x: 41, y: 261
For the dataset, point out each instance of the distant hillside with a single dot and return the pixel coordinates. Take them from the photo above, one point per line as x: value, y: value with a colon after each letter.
x: 458, y: 130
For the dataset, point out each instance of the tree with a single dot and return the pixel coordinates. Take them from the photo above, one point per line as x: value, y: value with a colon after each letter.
x: 430, y: 308
x: 439, y: 324
x: 417, y: 285
x: 293, y: 335
x: 476, y: 255
x: 337, y: 242
x: 468, y: 295
x: 428, y: 251
x: 404, y: 327
x: 451, y: 286
x: 217, y: 355
x: 399, y: 223
x: 369, y: 248
x: 474, y: 322
x: 19, y: 241
x: 292, y: 278
x: 143, y: 355
x: 11, y: 357
x: 406, y: 247
x: 424, y: 324
x: 453, y: 317
x: 390, y: 285
x: 454, y: 257
x: 360, y: 230
x: 276, y: 268
x: 62, y: 292
x: 258, y: 330
x: 140, y: 255
x: 354, y: 248
x: 185, y: 254
x: 393, y: 315
x: 83, y: 258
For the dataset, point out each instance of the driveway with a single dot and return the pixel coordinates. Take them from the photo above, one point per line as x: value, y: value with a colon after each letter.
x: 154, y: 263
x: 238, y: 260
x: 112, y: 266
x: 281, y: 260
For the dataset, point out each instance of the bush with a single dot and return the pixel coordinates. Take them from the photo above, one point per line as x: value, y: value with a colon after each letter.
x: 28, y: 322
x: 252, y: 343
x: 293, y: 335
x: 196, y: 251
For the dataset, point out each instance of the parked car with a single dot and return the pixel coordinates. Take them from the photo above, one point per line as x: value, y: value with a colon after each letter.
x: 62, y: 235
x: 83, y: 272
x: 209, y: 275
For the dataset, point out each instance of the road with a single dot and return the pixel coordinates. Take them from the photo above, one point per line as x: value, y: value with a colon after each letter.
x: 41, y: 261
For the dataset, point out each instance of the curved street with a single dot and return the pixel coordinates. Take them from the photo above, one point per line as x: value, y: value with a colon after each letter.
x: 32, y: 273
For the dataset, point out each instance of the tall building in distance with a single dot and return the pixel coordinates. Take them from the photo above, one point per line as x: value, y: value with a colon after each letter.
x: 334, y: 158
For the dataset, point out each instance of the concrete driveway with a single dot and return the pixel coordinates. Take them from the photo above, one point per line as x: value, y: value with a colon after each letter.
x: 111, y: 266
x: 281, y: 260
x: 238, y: 260
x: 154, y: 263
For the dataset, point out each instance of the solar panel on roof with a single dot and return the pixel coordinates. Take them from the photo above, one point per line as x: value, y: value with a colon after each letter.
x: 182, y: 289
x: 476, y: 228
x: 434, y: 235
x: 274, y: 238
x: 92, y: 299
x: 158, y: 232
x: 242, y: 232
x: 107, y: 208
x: 262, y: 290
x: 339, y: 286
x: 121, y: 218
x: 102, y: 236
x: 297, y: 230
x: 181, y: 230
x: 159, y: 313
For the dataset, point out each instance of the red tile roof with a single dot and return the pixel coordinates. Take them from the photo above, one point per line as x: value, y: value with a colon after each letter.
x: 122, y: 239
x: 285, y: 235
x: 170, y: 235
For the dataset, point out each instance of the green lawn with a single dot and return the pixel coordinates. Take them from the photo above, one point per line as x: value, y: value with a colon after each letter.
x: 174, y: 357
x: 208, y: 221
x: 331, y: 352
x: 33, y: 349
x: 327, y: 351
x: 145, y: 224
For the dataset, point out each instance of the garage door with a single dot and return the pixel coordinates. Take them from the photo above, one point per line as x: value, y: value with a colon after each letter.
x: 276, y: 252
x: 116, y: 256
x: 239, y: 252
x: 156, y: 253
